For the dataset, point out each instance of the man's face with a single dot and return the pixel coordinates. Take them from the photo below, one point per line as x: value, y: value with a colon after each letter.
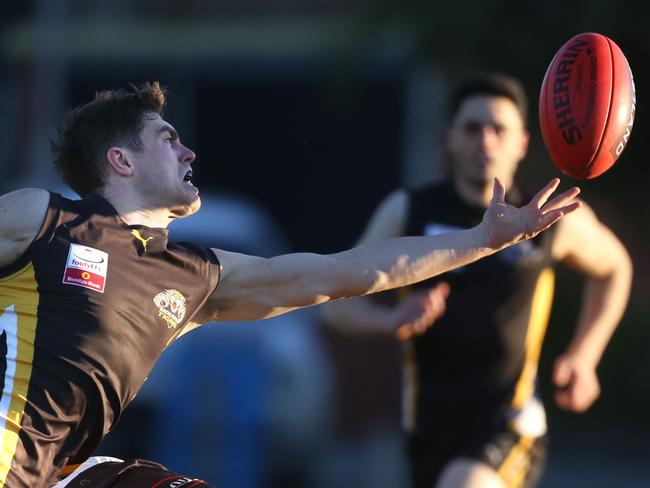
x: 486, y: 139
x: 162, y: 169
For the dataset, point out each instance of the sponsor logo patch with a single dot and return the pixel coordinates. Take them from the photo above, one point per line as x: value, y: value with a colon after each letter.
x: 86, y: 267
x: 171, y: 307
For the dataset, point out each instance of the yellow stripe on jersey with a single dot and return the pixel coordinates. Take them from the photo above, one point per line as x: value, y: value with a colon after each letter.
x: 539, y: 315
x: 18, y: 309
x: 517, y: 463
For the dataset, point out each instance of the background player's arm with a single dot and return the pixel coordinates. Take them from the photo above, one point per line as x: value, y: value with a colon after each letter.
x: 364, y: 314
x: 588, y: 246
x: 413, y: 314
x: 21, y: 216
x: 255, y: 288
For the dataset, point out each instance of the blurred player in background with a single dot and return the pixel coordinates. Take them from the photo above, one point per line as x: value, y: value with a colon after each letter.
x: 92, y: 291
x: 473, y: 336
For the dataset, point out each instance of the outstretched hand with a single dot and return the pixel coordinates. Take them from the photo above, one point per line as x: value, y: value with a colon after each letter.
x: 506, y: 224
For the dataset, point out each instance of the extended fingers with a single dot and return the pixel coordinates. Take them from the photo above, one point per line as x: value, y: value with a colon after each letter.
x: 558, y: 207
x: 547, y: 219
x: 567, y: 209
x: 540, y: 198
x: 565, y: 199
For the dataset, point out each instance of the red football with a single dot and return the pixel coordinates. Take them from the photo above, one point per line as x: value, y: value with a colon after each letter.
x: 587, y: 105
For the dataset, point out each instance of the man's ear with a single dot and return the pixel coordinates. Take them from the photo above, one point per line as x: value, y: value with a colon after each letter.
x: 118, y: 160
x: 525, y: 141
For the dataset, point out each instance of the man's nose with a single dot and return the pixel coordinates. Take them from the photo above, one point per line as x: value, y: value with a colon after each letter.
x: 187, y: 155
x: 487, y: 136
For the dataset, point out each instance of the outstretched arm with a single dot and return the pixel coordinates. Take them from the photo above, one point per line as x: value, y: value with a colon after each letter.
x: 588, y: 246
x: 255, y: 288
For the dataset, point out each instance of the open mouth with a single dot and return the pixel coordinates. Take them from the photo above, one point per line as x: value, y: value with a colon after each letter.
x: 188, y: 176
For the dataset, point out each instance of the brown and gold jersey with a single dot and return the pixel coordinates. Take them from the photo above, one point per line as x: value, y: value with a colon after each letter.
x: 84, y: 315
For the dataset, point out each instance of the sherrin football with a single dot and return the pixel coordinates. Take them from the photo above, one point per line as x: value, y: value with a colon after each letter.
x: 586, y: 105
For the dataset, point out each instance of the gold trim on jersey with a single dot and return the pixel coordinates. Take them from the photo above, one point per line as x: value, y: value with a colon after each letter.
x: 517, y: 463
x: 18, y: 316
x: 540, y: 312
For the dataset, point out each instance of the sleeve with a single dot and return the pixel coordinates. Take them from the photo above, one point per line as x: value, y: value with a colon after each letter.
x: 213, y: 273
x: 211, y: 260
x: 51, y: 220
x: 43, y: 236
x: 217, y: 268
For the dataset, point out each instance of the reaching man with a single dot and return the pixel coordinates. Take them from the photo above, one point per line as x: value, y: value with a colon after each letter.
x: 92, y: 291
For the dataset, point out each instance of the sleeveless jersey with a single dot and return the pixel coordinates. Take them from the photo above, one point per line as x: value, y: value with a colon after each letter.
x: 84, y: 315
x: 477, y: 364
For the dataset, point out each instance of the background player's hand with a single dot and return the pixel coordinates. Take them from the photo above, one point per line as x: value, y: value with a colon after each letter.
x: 506, y: 224
x: 576, y: 383
x: 417, y: 312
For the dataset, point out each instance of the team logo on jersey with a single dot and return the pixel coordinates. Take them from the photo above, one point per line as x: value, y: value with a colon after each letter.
x: 86, y: 267
x: 171, y: 307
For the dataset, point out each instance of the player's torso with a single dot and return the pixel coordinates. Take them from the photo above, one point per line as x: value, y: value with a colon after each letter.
x: 85, y: 315
x: 470, y: 363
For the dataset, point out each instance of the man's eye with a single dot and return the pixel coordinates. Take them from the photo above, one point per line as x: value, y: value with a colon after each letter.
x: 472, y: 128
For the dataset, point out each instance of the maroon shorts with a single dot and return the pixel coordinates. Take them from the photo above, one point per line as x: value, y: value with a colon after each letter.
x: 133, y: 473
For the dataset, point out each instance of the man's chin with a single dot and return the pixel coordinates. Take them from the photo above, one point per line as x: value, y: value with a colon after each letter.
x: 187, y: 210
x: 480, y: 178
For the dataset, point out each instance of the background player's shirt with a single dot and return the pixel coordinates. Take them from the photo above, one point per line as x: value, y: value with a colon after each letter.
x: 84, y: 315
x: 478, y: 363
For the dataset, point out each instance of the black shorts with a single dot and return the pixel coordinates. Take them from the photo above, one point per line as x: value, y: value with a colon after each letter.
x: 134, y: 473
x: 519, y: 460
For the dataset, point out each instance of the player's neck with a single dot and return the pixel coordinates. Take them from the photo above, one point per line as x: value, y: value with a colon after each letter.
x: 134, y: 212
x: 474, y: 193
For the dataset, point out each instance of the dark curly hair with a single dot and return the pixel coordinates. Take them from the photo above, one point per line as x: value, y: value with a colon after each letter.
x: 113, y: 118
